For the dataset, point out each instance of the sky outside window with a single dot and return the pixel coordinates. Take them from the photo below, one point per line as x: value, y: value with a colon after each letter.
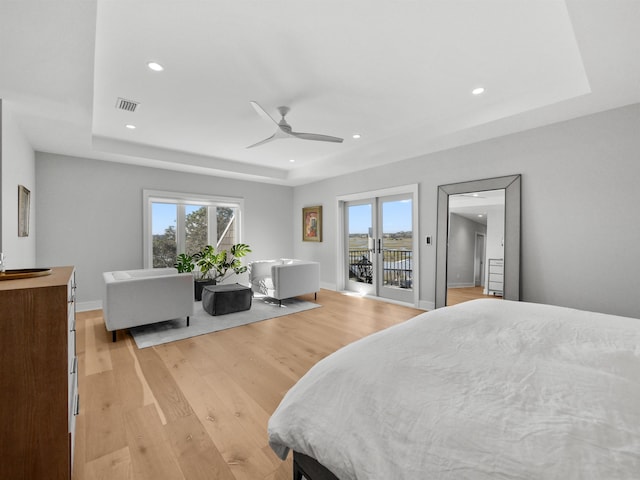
x: 163, y: 215
x: 397, y: 217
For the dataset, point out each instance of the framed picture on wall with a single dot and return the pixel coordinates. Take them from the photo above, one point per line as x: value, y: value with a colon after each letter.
x: 23, y: 211
x: 312, y: 224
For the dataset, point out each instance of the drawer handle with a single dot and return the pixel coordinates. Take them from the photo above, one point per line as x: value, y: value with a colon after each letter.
x: 74, y: 366
x: 76, y: 408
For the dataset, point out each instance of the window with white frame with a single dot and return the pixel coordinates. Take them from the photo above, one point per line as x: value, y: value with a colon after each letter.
x: 176, y: 223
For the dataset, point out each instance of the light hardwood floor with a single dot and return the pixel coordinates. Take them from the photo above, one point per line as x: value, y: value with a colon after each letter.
x: 459, y: 295
x: 198, y: 408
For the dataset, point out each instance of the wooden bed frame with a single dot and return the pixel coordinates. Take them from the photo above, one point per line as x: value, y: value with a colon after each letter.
x: 310, y: 468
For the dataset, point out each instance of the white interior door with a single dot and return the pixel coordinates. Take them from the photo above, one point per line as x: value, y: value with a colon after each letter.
x: 479, y: 261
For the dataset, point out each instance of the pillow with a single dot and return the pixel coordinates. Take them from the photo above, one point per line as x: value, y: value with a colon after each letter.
x: 262, y: 284
x: 260, y: 268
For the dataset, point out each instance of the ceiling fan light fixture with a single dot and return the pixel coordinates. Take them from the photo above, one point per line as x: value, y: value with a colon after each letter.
x: 155, y: 66
x: 284, y: 130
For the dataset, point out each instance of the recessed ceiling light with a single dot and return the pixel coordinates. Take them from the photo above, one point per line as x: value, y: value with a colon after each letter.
x: 356, y: 136
x: 478, y: 91
x: 155, y: 66
x: 480, y: 215
x: 130, y: 126
x: 292, y: 160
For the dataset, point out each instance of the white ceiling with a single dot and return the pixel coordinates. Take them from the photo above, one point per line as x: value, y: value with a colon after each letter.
x: 476, y: 205
x: 398, y: 72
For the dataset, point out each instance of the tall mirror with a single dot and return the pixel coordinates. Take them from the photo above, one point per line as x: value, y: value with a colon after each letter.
x: 485, y: 250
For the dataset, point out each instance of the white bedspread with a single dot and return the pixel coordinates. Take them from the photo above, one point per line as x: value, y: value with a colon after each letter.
x: 487, y: 389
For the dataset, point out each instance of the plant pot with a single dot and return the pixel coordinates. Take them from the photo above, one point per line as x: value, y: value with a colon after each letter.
x: 198, y: 286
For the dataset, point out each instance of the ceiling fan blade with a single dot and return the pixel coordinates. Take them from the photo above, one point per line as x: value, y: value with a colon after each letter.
x: 261, y: 111
x: 316, y: 136
x: 261, y: 142
x: 279, y: 133
x: 284, y: 129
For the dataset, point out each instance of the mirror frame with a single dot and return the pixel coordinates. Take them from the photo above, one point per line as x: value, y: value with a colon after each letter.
x: 511, y: 186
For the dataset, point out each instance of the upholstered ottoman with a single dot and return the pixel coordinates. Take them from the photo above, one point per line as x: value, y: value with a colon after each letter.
x: 226, y: 298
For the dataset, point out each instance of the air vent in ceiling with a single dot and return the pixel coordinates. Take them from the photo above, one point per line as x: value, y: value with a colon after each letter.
x: 128, y: 105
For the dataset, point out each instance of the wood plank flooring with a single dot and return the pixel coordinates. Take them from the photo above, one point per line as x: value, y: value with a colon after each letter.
x: 459, y: 295
x: 198, y: 408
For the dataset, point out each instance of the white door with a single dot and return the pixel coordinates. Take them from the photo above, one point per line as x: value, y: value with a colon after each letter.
x: 360, y: 247
x: 379, y: 247
x: 479, y: 261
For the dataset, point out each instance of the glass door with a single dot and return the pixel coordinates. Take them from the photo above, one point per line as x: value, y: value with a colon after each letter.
x: 360, y: 247
x: 379, y: 247
x: 395, y: 249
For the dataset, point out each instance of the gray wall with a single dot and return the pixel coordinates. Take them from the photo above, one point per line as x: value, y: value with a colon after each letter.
x: 579, y: 188
x: 579, y: 184
x: 17, y: 167
x: 90, y: 215
x: 462, y: 249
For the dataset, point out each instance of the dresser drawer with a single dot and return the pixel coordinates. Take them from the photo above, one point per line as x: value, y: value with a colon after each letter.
x: 72, y: 389
x: 71, y: 287
x: 71, y: 318
x: 74, y: 399
x: 71, y: 349
x: 71, y: 306
x: 496, y: 269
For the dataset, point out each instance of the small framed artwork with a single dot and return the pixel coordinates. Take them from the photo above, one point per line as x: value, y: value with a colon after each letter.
x: 23, y: 211
x: 312, y: 224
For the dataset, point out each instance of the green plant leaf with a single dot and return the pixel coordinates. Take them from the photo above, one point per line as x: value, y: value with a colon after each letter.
x: 239, y: 250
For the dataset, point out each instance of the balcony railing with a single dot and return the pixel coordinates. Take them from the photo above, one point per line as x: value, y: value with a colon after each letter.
x: 397, y: 268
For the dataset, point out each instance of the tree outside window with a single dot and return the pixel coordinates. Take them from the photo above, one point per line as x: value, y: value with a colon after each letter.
x: 181, y: 228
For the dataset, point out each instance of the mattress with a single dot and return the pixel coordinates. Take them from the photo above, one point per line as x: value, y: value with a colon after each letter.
x: 488, y: 389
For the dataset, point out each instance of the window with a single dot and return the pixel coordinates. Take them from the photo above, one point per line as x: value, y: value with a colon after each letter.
x: 180, y: 222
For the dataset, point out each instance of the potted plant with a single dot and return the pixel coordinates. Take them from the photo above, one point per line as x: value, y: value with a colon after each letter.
x: 187, y: 264
x: 215, y: 267
x: 227, y: 262
x: 205, y: 261
x: 184, y: 263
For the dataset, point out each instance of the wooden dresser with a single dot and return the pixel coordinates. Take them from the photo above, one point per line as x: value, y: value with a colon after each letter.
x: 38, y: 376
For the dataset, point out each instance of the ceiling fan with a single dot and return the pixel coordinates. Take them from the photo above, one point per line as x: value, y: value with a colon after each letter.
x: 284, y: 129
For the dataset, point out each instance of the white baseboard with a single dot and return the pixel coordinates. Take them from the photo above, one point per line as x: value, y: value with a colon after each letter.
x: 426, y: 305
x: 87, y: 306
x: 328, y: 286
x: 461, y: 285
x: 422, y: 304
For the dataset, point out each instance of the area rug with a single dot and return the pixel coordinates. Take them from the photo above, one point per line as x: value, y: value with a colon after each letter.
x: 262, y: 308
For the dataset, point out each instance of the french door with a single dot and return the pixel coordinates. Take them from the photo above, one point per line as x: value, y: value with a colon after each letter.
x: 379, y: 246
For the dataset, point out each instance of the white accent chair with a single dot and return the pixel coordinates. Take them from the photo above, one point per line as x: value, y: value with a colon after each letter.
x: 140, y: 297
x: 284, y: 278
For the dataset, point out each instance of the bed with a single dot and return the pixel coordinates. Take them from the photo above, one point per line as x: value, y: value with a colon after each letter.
x: 487, y: 389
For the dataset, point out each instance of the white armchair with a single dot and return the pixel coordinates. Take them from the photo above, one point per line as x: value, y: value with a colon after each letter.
x: 284, y: 278
x: 139, y: 297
